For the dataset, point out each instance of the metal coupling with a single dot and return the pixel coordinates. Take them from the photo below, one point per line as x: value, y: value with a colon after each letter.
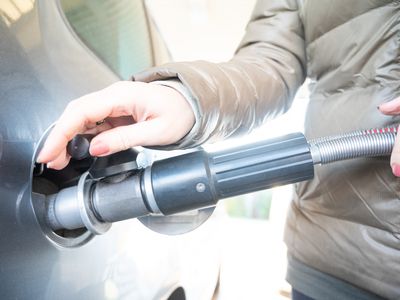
x: 71, y: 208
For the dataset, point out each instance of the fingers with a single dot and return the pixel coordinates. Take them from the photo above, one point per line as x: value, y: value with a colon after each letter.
x: 123, y: 137
x: 134, y: 113
x: 78, y: 117
x: 60, y: 162
x: 100, y: 128
x: 395, y: 157
x: 391, y: 107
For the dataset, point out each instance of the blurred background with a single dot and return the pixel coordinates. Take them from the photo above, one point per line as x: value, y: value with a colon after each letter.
x: 253, y: 253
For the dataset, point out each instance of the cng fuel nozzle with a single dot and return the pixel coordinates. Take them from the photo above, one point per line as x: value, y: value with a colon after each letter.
x: 199, y: 179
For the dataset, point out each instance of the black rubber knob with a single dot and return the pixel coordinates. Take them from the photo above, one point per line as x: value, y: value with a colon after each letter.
x: 78, y: 147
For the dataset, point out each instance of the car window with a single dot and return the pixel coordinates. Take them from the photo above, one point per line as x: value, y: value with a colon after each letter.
x: 116, y: 30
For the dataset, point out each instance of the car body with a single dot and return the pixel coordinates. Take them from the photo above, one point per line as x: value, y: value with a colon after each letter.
x: 45, y: 63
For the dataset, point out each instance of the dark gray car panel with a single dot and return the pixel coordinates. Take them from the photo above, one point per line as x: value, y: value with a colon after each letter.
x: 28, y: 106
x: 42, y: 67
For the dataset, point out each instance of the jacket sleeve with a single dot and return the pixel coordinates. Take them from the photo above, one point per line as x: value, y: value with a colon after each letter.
x: 259, y: 82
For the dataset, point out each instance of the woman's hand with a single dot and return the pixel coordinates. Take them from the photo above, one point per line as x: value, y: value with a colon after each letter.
x: 134, y: 114
x: 393, y: 108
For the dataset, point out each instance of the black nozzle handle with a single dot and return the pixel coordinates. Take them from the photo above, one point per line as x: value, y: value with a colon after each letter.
x: 199, y: 179
x: 262, y: 165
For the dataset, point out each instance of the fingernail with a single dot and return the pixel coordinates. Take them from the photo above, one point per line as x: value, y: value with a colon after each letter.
x: 98, y: 148
x: 396, y: 170
x: 39, y: 158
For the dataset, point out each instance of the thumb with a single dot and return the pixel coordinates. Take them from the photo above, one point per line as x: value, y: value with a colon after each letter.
x: 391, y: 107
x: 395, y: 158
x: 147, y: 133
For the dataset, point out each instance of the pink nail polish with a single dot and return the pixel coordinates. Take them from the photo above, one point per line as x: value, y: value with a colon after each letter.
x: 396, y: 170
x: 98, y: 148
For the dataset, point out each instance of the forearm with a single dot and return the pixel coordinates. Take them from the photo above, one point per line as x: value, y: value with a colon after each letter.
x: 258, y: 83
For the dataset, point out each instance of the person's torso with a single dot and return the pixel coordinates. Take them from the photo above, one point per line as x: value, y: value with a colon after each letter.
x: 347, y: 220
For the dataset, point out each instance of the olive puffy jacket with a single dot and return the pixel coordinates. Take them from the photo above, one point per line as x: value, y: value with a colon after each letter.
x: 346, y: 221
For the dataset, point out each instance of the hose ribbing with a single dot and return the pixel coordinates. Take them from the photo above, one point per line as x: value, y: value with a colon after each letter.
x: 361, y: 143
